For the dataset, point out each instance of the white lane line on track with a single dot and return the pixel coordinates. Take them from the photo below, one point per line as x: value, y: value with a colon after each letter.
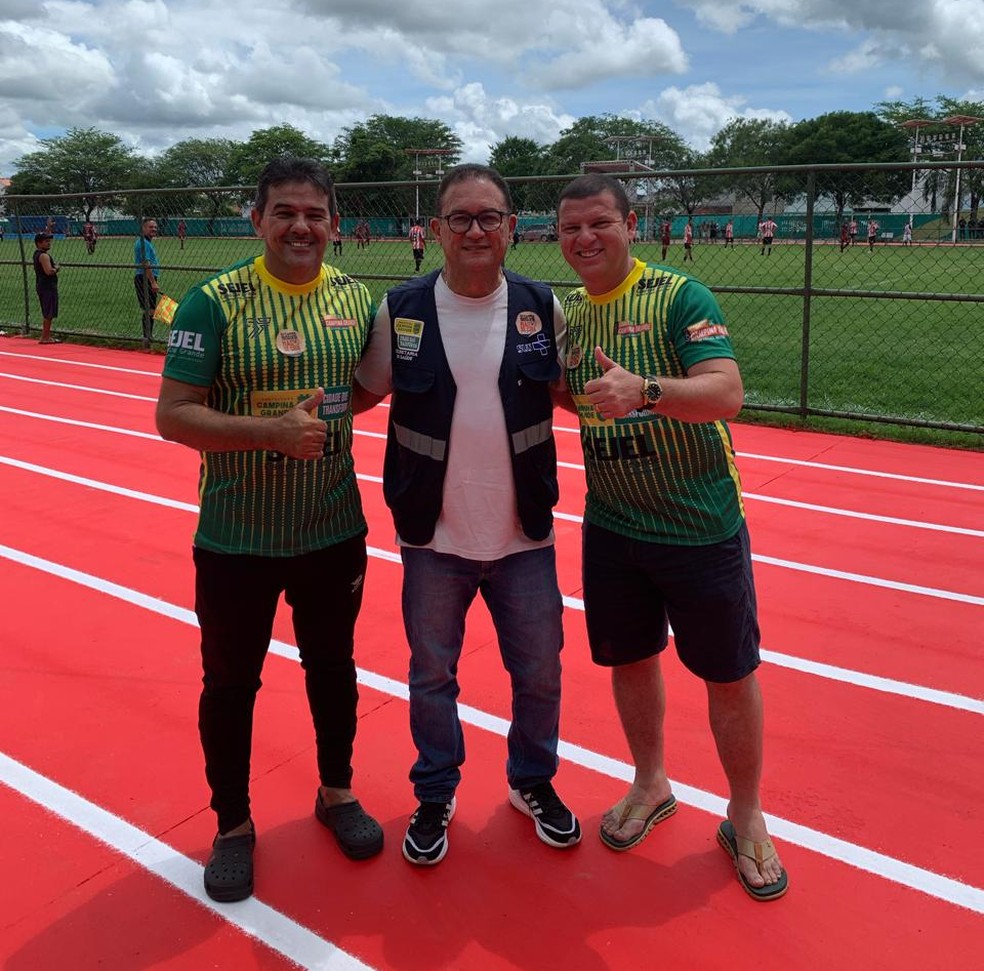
x: 570, y: 517
x: 879, y: 864
x: 795, y: 504
x: 756, y: 557
x: 830, y: 672
x: 848, y: 513
x: 95, y: 426
x: 807, y: 463
x: 871, y: 517
x: 253, y: 917
x: 851, y: 470
x: 76, y: 387
x: 100, y: 367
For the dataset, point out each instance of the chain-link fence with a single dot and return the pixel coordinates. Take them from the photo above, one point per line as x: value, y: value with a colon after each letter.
x: 867, y: 304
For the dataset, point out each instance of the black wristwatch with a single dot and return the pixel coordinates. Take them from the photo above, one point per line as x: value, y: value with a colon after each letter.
x: 651, y: 391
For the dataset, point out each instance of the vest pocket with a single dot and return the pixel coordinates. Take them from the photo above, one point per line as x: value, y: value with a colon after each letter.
x: 414, y: 380
x: 545, y: 369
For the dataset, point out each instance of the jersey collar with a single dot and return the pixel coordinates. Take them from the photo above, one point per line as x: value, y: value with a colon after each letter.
x: 638, y: 268
x: 259, y: 264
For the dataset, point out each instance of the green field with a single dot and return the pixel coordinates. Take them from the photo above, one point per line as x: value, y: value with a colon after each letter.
x: 920, y: 360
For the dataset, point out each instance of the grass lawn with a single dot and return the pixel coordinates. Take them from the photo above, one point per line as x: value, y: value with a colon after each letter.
x: 912, y: 359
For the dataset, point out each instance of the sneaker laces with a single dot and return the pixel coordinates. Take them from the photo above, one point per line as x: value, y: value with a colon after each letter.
x: 431, y: 817
x: 543, y: 800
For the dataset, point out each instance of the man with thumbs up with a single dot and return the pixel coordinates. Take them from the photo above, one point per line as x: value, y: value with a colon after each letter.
x: 653, y: 377
x: 258, y: 378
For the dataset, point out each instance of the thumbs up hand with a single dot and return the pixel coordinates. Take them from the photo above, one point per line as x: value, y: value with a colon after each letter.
x: 603, y: 360
x: 302, y: 434
x: 617, y: 391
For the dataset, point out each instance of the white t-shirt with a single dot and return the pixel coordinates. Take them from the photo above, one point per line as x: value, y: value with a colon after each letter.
x: 479, y: 519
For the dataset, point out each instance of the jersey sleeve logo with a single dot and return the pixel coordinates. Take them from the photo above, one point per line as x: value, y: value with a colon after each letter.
x: 705, y: 330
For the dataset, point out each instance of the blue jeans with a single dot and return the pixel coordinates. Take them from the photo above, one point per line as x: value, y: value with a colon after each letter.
x: 524, y: 600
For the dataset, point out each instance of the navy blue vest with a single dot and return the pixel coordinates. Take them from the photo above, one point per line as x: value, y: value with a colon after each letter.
x: 423, y: 403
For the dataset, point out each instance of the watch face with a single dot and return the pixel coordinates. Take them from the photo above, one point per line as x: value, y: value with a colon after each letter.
x: 652, y: 390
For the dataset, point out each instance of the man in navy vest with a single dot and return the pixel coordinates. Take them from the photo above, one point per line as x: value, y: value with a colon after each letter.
x: 469, y: 353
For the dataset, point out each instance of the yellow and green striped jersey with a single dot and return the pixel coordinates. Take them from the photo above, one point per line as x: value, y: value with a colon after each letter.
x: 651, y: 477
x: 261, y: 346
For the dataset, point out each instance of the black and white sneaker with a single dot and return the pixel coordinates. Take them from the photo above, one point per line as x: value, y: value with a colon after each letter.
x: 555, y: 824
x: 426, y: 841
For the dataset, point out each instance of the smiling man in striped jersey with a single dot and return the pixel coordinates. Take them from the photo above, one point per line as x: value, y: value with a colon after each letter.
x: 652, y: 376
x: 258, y: 378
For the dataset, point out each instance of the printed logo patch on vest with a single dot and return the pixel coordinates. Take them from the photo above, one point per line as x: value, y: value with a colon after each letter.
x: 539, y: 345
x: 528, y: 323
x: 409, y: 333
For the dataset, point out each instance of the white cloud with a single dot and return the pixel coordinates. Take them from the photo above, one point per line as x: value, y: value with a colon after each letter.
x: 481, y: 121
x: 43, y: 66
x: 867, y: 55
x: 645, y: 48
x: 946, y: 34
x: 155, y: 72
x: 698, y: 112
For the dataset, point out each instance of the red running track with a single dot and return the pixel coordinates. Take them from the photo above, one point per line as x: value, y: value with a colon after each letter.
x: 871, y: 588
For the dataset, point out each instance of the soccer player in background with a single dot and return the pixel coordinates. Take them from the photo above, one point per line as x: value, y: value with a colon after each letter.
x: 873, y: 228
x: 89, y: 235
x: 767, y: 230
x: 417, y: 243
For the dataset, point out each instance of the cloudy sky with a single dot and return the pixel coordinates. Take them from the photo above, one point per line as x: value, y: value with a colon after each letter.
x: 155, y: 72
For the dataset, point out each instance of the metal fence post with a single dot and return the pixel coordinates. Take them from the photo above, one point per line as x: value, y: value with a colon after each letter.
x: 811, y: 190
x: 26, y: 329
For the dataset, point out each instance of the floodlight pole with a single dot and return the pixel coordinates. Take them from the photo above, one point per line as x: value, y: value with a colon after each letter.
x: 418, y: 172
x: 964, y: 121
x: 638, y: 140
x: 915, y: 124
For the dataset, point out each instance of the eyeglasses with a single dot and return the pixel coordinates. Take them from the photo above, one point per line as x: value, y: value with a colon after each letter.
x: 489, y: 220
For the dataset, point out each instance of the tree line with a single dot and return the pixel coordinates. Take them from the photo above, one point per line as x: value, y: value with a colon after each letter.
x: 84, y: 162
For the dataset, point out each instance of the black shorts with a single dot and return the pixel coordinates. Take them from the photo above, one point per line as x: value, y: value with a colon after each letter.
x: 766, y: 240
x: 146, y: 297
x: 49, y: 303
x: 634, y: 590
